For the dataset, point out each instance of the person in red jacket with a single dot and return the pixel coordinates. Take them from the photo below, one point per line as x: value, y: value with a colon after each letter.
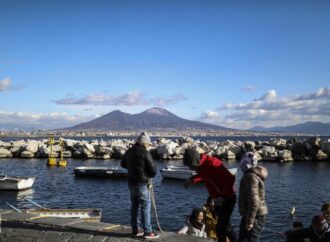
x: 220, y: 185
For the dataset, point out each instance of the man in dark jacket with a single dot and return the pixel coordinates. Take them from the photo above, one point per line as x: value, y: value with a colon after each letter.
x: 139, y: 163
x: 220, y: 185
x: 251, y: 199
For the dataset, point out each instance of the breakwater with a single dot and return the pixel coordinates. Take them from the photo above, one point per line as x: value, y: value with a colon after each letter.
x: 274, y: 149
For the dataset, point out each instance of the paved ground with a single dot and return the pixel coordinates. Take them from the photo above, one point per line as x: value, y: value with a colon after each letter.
x: 26, y: 227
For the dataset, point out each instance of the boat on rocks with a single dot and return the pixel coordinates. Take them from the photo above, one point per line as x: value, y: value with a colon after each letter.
x: 102, y: 172
x: 183, y: 172
x: 15, y: 183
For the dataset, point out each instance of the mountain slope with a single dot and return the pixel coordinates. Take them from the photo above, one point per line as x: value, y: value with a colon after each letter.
x: 151, y: 119
x: 305, y: 128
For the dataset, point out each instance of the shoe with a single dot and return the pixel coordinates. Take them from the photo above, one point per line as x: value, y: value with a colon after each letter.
x: 138, y: 233
x: 151, y: 235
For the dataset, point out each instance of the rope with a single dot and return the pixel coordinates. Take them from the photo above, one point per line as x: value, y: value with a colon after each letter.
x: 153, y: 200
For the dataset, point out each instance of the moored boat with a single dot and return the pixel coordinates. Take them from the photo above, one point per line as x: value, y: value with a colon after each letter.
x: 97, y: 171
x: 15, y: 183
x: 183, y: 172
x: 91, y: 215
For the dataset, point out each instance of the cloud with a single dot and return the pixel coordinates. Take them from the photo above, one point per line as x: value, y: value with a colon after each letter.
x: 272, y: 110
x: 134, y: 98
x: 10, y: 120
x: 4, y: 84
x: 249, y: 89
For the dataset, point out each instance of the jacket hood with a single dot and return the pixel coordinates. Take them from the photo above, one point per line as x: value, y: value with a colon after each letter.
x: 260, y: 171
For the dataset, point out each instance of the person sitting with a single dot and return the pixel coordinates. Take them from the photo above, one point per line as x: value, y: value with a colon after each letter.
x: 319, y: 231
x: 297, y: 225
x: 210, y: 219
x: 326, y: 211
x: 195, y: 224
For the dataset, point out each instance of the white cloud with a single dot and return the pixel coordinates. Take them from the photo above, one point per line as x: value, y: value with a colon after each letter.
x: 249, y: 89
x: 134, y: 98
x: 37, y: 120
x: 4, y: 84
x: 272, y: 110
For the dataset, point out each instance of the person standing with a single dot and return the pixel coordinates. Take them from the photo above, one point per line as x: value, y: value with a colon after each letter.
x: 139, y: 163
x: 220, y: 185
x: 251, y: 199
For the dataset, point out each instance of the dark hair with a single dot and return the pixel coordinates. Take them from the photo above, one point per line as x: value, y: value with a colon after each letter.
x: 325, y: 207
x: 297, y: 224
x: 195, y: 212
x: 191, y: 157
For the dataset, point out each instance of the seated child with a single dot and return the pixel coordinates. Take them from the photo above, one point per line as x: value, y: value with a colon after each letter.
x: 195, y: 224
x: 210, y: 219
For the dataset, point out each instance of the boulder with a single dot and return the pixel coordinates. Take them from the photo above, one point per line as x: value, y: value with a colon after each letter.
x: 27, y: 154
x: 4, y: 153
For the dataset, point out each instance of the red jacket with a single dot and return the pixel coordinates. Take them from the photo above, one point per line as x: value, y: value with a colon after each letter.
x: 218, y: 180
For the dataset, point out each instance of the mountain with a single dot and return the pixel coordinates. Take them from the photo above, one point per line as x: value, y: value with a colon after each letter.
x: 304, y: 128
x: 151, y: 119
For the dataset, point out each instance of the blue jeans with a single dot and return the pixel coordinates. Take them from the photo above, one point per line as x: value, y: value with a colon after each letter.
x: 140, y: 196
x: 254, y: 234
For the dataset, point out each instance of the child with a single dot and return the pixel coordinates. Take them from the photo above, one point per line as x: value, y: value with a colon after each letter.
x: 210, y: 219
x: 195, y: 224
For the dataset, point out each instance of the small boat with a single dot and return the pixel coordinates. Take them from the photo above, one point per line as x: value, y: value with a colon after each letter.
x: 183, y: 172
x: 15, y: 183
x: 85, y: 214
x: 98, y: 171
x: 90, y: 215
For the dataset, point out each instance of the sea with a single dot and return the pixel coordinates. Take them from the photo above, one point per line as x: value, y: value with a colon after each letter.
x: 304, y: 186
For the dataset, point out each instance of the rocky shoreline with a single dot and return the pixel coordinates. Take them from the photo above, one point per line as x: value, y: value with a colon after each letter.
x: 275, y: 149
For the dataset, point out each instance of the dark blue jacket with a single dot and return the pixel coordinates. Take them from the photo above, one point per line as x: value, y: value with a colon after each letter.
x: 139, y: 163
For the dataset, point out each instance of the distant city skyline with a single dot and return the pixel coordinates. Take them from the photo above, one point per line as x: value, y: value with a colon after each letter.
x: 237, y: 64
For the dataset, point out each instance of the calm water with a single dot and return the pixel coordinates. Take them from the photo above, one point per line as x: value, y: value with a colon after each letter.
x: 302, y: 185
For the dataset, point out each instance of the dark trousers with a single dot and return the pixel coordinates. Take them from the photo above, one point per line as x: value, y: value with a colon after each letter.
x: 254, y: 234
x: 224, y: 211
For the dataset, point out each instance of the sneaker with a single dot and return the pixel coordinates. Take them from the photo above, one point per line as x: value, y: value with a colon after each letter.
x: 151, y: 235
x: 138, y: 233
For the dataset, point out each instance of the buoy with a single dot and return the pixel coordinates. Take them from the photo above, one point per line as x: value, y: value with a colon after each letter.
x: 62, y: 162
x: 51, y: 160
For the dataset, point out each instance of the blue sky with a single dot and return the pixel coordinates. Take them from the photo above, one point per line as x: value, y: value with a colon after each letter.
x: 233, y: 63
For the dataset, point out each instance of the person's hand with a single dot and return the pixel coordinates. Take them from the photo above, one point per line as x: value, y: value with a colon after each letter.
x: 187, y: 183
x: 248, y: 227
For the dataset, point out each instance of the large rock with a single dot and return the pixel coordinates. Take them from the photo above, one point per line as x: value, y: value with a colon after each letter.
x: 32, y: 146
x: 27, y: 154
x: 285, y: 156
x: 4, y: 153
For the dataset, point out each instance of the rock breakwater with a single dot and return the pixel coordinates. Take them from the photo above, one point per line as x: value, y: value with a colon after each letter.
x: 275, y: 149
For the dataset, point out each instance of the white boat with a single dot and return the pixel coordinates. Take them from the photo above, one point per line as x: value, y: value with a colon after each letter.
x: 85, y: 214
x: 183, y: 172
x: 15, y: 183
x: 88, y: 214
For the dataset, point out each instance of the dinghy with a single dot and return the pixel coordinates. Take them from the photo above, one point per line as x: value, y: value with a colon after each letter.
x: 97, y: 171
x: 15, y: 183
x: 183, y: 172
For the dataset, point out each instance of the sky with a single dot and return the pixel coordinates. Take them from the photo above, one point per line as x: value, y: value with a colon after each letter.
x: 237, y: 64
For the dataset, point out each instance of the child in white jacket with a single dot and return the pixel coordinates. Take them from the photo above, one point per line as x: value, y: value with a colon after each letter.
x: 195, y: 224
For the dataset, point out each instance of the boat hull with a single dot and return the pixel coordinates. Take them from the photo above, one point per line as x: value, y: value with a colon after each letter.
x: 183, y: 173
x: 91, y: 215
x: 16, y: 183
x: 102, y: 172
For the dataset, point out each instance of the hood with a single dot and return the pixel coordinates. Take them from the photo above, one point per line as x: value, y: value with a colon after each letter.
x: 260, y: 171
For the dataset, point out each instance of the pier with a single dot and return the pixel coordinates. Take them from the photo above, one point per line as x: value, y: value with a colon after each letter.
x: 24, y: 227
